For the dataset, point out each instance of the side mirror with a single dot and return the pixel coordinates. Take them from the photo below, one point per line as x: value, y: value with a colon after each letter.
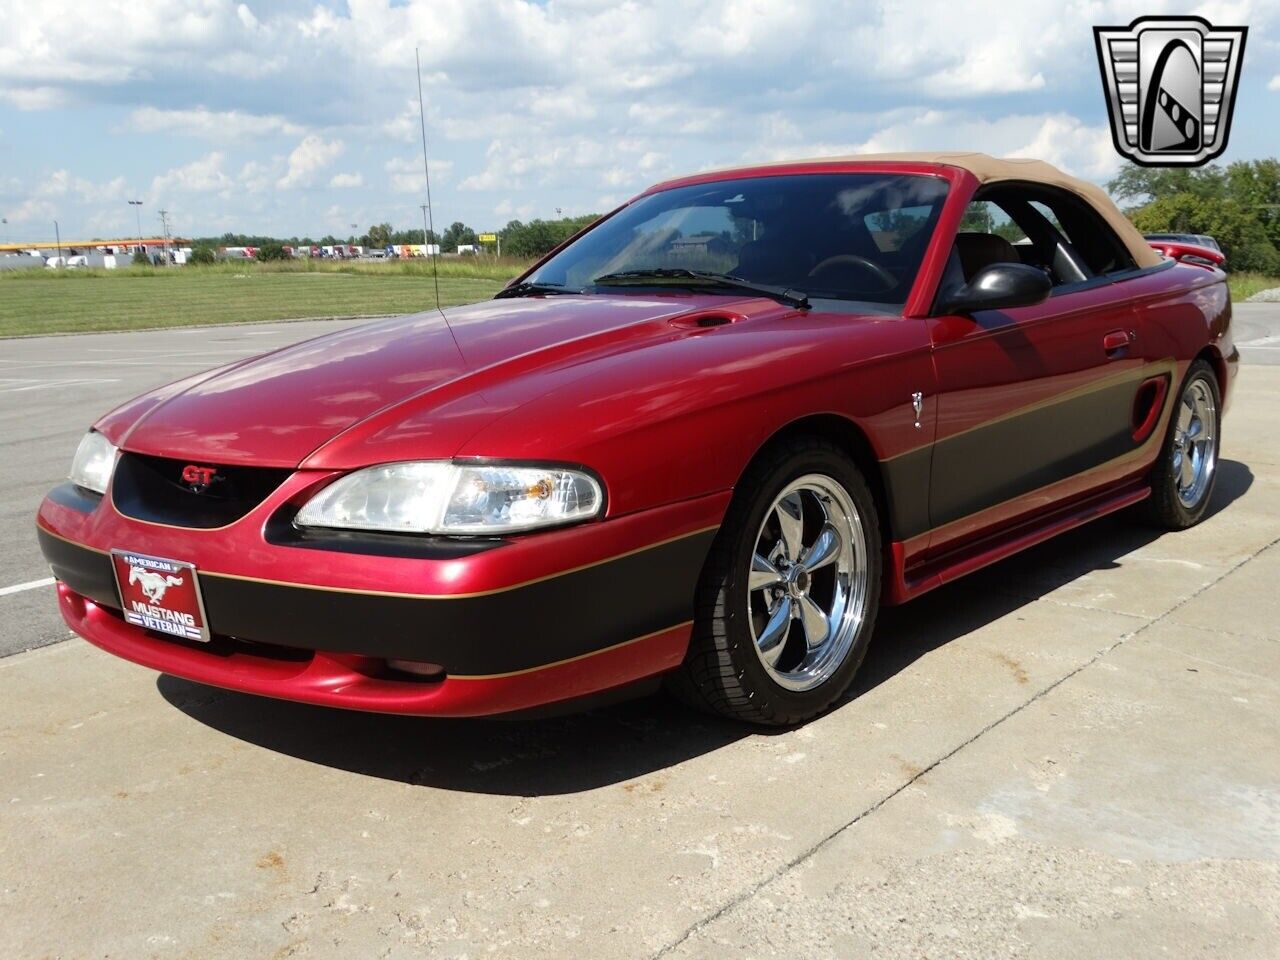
x: 999, y: 286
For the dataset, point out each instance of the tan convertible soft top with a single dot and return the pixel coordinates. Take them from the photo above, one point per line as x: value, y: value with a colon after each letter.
x: 992, y: 169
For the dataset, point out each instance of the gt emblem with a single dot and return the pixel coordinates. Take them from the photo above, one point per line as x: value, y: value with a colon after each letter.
x: 917, y: 404
x: 198, y: 478
x: 1171, y: 87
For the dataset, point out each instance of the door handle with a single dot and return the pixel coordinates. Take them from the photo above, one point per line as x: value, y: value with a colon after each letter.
x: 1117, y: 340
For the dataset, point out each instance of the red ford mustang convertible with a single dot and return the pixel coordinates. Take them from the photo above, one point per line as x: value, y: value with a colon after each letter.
x: 700, y: 443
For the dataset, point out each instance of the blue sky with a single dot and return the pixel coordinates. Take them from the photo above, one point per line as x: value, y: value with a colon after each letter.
x: 301, y: 118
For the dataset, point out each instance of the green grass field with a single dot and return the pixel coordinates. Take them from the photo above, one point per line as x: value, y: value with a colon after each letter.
x: 1245, y: 285
x: 75, y: 301
x: 65, y: 301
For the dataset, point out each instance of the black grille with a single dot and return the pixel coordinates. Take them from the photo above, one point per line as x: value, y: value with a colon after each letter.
x: 153, y: 489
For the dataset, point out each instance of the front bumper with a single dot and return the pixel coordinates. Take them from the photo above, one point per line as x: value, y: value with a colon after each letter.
x: 532, y: 621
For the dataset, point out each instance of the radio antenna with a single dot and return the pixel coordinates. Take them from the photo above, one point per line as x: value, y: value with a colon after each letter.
x: 428, y: 231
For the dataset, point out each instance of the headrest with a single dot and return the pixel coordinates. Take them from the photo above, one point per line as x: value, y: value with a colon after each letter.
x: 978, y: 250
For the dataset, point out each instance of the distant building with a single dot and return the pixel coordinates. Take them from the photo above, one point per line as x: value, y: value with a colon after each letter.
x: 104, y: 253
x: 20, y: 261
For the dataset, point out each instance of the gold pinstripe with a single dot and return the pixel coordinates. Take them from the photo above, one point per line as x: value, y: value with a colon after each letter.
x: 411, y: 596
x: 1167, y: 365
x: 557, y: 663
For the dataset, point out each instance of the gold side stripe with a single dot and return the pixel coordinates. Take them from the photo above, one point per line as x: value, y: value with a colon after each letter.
x: 1158, y: 436
x: 1144, y: 372
x: 1155, y: 368
x: 413, y: 596
x: 560, y: 663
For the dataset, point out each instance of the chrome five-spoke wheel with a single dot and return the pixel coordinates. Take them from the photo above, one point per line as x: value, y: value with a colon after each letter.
x: 1195, y: 443
x: 788, y: 597
x: 1184, y: 474
x: 807, y: 589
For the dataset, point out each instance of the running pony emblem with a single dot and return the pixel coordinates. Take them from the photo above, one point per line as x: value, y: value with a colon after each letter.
x: 153, y: 584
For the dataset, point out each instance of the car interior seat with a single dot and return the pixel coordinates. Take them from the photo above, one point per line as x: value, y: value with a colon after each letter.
x: 978, y: 250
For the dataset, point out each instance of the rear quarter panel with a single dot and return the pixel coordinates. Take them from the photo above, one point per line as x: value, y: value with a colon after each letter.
x: 1181, y: 311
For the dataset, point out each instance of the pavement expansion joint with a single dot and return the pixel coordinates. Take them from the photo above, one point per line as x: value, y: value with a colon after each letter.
x: 808, y: 853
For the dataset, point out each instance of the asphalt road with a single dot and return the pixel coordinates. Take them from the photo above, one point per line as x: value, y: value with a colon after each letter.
x: 1257, y: 331
x: 1072, y: 753
x: 51, y: 390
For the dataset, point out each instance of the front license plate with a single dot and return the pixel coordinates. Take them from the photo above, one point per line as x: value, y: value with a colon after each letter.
x: 161, y: 595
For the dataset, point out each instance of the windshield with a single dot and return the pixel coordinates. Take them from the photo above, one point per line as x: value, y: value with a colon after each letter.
x: 837, y: 236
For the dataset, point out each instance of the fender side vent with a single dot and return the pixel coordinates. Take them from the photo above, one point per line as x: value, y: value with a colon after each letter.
x: 1148, y: 405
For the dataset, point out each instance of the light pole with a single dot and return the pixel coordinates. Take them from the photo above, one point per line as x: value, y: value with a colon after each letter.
x: 4, y: 222
x: 57, y: 237
x: 426, y: 236
x: 137, y: 209
x: 164, y: 225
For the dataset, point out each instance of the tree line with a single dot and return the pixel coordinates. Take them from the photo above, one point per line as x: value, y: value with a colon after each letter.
x: 518, y: 239
x: 1239, y: 205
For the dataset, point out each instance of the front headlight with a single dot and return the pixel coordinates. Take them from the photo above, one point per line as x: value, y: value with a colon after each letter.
x: 92, y: 465
x: 454, y: 499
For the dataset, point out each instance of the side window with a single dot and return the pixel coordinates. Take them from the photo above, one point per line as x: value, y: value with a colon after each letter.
x: 987, y: 235
x: 986, y: 216
x: 1048, y: 214
x: 1090, y: 237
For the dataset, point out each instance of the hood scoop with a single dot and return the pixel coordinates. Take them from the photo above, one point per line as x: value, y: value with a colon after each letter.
x: 706, y: 319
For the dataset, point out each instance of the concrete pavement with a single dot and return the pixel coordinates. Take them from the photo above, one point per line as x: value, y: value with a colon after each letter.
x: 1071, y: 754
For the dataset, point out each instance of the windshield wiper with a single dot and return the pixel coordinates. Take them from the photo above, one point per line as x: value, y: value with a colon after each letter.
x: 528, y: 288
x: 665, y: 275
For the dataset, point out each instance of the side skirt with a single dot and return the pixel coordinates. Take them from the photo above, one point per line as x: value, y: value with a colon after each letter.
x: 903, y: 585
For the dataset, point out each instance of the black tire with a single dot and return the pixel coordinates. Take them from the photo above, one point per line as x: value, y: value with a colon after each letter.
x: 1165, y: 508
x: 723, y: 673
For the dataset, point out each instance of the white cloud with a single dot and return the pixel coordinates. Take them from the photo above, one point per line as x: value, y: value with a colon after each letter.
x: 1059, y: 138
x: 552, y: 160
x: 35, y: 97
x: 508, y: 210
x: 1072, y: 146
x: 568, y: 60
x: 221, y: 125
x: 32, y: 209
x: 405, y: 174
x: 63, y: 184
x: 200, y: 176
x: 404, y: 125
x: 563, y: 103
x: 310, y: 156
x: 257, y: 176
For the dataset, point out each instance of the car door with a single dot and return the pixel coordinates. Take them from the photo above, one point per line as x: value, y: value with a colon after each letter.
x: 1035, y: 404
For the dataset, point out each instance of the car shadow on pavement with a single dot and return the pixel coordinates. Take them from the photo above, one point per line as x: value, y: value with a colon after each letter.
x: 958, y: 608
x: 532, y: 757
x: 608, y: 745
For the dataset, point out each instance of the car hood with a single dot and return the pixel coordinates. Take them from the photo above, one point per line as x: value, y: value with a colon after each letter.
x: 282, y: 407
